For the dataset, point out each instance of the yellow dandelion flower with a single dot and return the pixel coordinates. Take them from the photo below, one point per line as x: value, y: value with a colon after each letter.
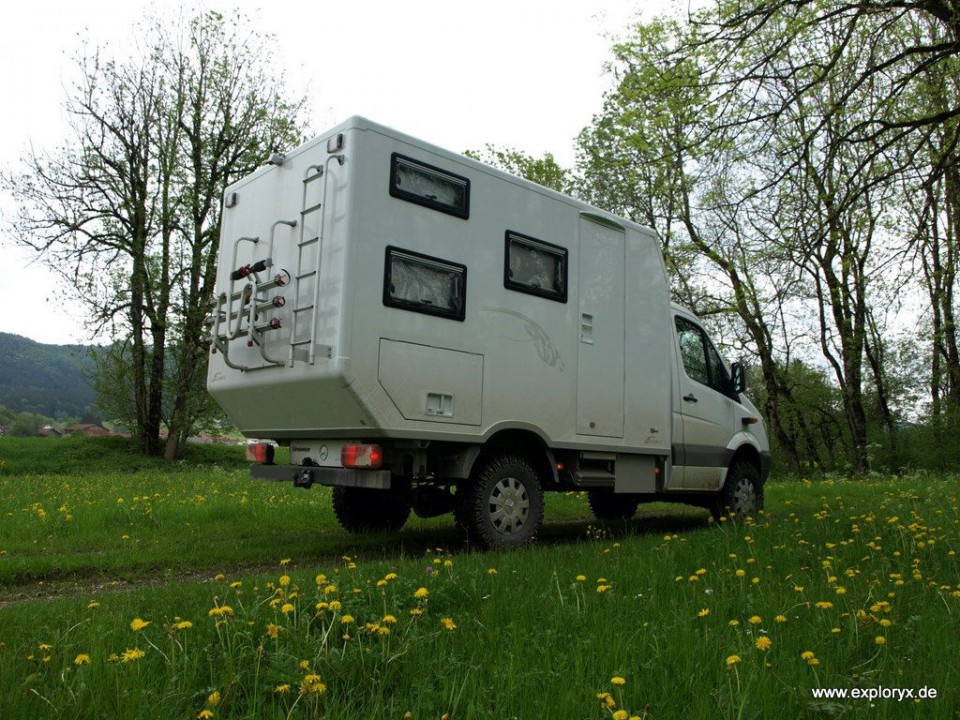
x: 330, y: 590
x: 381, y: 583
x: 741, y: 573
x: 734, y: 623
x: 214, y: 698
x: 780, y: 619
x: 335, y: 606
x: 835, y: 631
x: 81, y: 659
x: 620, y: 715
x: 755, y: 620
x: 389, y: 620
x: 129, y: 656
x: 491, y: 571
x: 347, y: 620
x: 284, y: 562
x: 824, y: 604
x: 273, y: 630
x: 93, y: 605
x: 733, y: 660
x: 448, y: 624
x: 284, y: 580
x: 421, y: 593
x: 321, y: 579
x: 183, y: 625
x: 618, y: 680
x: 137, y: 624
x: 763, y: 643
x: 287, y: 608
x: 282, y: 689
x: 219, y: 577
x: 704, y: 612
x: 390, y: 576
x: 416, y: 612
x: 606, y: 699
x: 807, y: 655
x: 880, y: 640
x: 205, y: 714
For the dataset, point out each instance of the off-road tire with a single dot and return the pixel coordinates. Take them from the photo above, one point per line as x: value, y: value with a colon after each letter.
x: 502, y: 506
x: 742, y: 493
x: 606, y: 505
x: 361, y: 510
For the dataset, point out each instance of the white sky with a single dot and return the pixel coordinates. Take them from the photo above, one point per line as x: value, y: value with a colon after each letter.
x: 526, y: 74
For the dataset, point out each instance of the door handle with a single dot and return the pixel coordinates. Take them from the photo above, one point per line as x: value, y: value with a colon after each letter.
x: 690, y: 398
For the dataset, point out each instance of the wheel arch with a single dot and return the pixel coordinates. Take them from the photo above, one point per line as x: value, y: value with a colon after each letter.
x: 528, y: 444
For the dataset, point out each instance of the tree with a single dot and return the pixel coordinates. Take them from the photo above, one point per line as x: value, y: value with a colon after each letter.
x: 128, y: 210
x: 543, y: 171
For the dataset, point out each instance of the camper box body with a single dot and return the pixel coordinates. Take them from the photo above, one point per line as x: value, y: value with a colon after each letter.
x: 375, y: 291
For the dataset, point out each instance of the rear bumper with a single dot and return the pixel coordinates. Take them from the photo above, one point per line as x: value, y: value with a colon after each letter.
x: 305, y: 476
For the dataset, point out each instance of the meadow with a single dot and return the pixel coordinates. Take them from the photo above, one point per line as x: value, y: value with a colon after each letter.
x: 136, y: 589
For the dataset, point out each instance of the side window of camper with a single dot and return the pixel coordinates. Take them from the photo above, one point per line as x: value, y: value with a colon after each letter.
x: 700, y: 360
x: 429, y: 186
x: 535, y: 267
x: 424, y: 284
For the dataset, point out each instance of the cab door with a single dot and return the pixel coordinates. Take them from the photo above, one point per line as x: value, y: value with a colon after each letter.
x: 705, y: 410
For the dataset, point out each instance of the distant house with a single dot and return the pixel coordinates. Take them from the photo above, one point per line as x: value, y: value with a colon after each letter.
x: 87, y: 429
x: 48, y: 431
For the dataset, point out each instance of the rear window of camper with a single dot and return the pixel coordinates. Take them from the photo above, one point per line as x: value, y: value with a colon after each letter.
x: 424, y: 284
x: 536, y: 267
x: 429, y: 186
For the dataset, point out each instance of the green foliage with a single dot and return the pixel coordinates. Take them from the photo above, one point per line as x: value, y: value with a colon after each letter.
x: 281, y: 615
x: 50, y: 380
x: 543, y: 171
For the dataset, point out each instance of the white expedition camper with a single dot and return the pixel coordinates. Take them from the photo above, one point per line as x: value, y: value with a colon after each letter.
x: 426, y: 332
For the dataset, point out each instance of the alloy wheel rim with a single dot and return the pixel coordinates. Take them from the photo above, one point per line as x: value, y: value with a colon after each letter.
x: 509, y: 506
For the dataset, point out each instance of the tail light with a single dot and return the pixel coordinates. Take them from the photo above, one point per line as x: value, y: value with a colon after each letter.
x: 260, y: 453
x: 361, y: 456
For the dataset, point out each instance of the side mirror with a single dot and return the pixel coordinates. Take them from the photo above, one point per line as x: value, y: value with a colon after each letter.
x: 738, y: 378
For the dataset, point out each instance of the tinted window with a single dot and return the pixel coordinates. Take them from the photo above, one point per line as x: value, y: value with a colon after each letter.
x: 535, y: 267
x: 424, y: 284
x: 700, y: 360
x: 429, y: 186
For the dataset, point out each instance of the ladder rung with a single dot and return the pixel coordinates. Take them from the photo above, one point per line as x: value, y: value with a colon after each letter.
x: 312, y: 208
x: 310, y: 241
x: 300, y: 342
x: 312, y: 178
x: 306, y: 275
x: 303, y: 308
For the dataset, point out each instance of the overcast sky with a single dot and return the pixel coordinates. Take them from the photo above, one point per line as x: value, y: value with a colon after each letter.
x: 525, y: 74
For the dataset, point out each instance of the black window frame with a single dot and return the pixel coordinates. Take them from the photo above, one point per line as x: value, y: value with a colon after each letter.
x: 421, y: 307
x: 397, y: 159
x: 508, y: 282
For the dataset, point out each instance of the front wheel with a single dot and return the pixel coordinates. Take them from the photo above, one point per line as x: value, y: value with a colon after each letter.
x: 742, y: 493
x: 502, y: 507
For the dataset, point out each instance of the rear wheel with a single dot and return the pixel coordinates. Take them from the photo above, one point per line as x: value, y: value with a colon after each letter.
x: 502, y: 507
x: 361, y: 510
x: 606, y: 505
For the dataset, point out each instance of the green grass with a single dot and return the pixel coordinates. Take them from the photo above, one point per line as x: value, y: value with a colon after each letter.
x: 664, y: 602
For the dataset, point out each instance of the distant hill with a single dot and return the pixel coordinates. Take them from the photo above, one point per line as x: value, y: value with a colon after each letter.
x: 50, y: 380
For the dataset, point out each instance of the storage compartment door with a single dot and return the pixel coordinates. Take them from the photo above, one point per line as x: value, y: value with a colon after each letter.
x: 432, y: 384
x: 600, y: 370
